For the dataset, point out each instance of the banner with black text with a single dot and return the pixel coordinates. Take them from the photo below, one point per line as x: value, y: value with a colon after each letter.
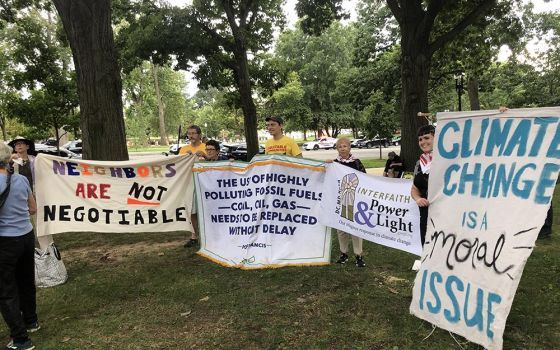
x: 263, y: 213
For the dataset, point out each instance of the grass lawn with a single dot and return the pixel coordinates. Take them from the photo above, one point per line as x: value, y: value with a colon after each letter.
x: 145, y: 291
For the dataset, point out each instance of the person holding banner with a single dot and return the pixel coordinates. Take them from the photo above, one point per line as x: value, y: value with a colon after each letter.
x: 279, y: 143
x: 196, y: 147
x: 17, y: 255
x: 213, y: 151
x: 346, y: 158
x: 419, y: 190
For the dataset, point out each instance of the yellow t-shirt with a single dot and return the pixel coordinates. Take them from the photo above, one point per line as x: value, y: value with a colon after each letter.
x: 192, y: 149
x: 285, y: 146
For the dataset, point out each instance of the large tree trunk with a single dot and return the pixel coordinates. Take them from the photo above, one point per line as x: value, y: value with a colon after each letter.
x: 161, y: 109
x: 247, y: 103
x: 415, y: 71
x: 87, y: 24
x: 472, y: 87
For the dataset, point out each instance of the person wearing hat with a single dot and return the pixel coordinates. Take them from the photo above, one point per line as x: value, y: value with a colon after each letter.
x: 279, y: 143
x: 23, y: 158
x: 393, y: 166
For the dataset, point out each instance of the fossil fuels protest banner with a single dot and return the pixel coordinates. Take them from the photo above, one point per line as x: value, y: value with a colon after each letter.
x: 263, y: 213
x: 491, y: 183
x: 378, y: 209
x: 146, y: 195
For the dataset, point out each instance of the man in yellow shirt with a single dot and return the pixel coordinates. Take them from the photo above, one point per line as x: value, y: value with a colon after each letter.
x: 280, y: 143
x: 197, y: 148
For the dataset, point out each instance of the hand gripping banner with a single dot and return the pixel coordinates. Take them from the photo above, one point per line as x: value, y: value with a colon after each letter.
x: 263, y: 213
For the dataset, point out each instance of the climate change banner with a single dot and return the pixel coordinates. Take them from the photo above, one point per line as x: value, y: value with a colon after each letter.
x: 491, y: 183
x: 378, y: 209
x: 145, y: 195
x: 263, y: 213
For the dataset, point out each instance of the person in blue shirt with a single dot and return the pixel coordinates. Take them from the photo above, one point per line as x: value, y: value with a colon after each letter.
x: 17, y: 250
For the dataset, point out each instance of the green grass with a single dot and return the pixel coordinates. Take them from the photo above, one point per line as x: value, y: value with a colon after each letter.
x: 145, y: 291
x: 148, y: 149
x: 373, y: 163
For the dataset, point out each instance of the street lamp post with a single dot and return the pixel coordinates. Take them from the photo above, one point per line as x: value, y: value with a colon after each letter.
x: 459, y: 85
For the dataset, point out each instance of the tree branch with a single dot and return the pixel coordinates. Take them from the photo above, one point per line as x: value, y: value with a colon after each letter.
x: 468, y: 20
x: 396, y: 10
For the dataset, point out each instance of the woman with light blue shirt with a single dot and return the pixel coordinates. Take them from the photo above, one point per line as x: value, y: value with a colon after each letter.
x: 17, y: 249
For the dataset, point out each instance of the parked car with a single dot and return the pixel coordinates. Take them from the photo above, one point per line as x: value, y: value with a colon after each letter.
x: 62, y: 152
x: 74, y: 146
x: 50, y: 142
x: 358, y: 143
x: 322, y: 143
x: 396, y: 141
x: 377, y: 142
x: 174, y: 148
x: 240, y: 152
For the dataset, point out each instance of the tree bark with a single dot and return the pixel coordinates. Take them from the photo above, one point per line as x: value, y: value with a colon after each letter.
x: 3, y: 126
x: 415, y: 71
x: 472, y: 87
x: 87, y: 24
x: 163, y: 140
x: 247, y: 103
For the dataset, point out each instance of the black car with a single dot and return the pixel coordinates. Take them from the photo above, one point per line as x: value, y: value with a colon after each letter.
x: 240, y: 152
x: 377, y: 142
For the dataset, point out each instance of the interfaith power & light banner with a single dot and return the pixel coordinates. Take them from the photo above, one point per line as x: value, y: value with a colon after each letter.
x: 378, y: 209
x: 491, y: 183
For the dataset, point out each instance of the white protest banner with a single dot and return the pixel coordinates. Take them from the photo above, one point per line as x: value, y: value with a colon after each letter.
x: 491, y: 183
x: 378, y: 209
x: 144, y: 195
x: 263, y: 213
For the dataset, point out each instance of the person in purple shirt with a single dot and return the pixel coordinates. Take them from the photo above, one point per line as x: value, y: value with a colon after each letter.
x: 17, y: 250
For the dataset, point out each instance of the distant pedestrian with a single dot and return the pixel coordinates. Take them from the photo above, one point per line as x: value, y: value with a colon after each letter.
x: 394, y: 166
x: 280, y: 143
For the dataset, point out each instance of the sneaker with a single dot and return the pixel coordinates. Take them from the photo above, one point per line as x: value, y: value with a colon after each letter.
x: 343, y: 259
x: 360, y: 261
x: 191, y: 243
x: 26, y: 345
x: 33, y: 327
